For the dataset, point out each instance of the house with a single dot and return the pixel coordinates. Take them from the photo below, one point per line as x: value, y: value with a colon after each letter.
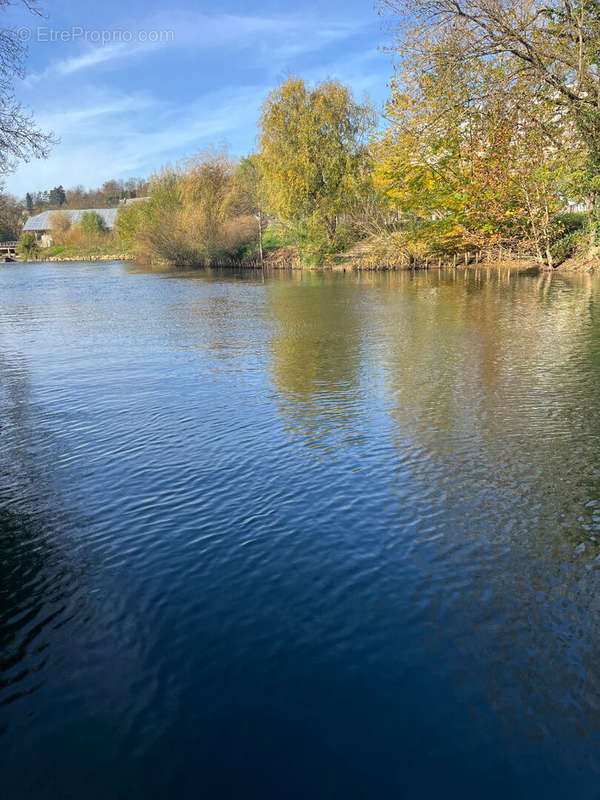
x: 41, y: 224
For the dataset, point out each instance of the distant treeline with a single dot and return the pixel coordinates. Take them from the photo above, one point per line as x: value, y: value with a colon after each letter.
x: 108, y: 195
x: 14, y: 212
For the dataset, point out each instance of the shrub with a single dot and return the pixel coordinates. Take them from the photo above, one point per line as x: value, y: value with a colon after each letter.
x: 191, y: 218
x: 567, y: 245
x: 128, y: 223
x: 570, y: 221
x: 28, y: 245
x: 74, y: 238
x: 59, y: 226
x: 92, y: 224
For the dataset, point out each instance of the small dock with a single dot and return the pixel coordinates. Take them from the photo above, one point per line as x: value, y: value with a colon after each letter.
x: 8, y: 251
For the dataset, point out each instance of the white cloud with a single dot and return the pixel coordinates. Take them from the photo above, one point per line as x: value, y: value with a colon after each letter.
x: 122, y: 136
x: 273, y: 39
x: 119, y: 133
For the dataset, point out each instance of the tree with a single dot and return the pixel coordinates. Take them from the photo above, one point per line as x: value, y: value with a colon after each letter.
x: 128, y: 223
x: 28, y: 245
x: 20, y: 138
x: 29, y: 203
x: 247, y: 195
x: 11, y: 217
x: 554, y: 46
x: 113, y: 191
x: 216, y: 229
x: 57, y: 196
x: 475, y: 150
x: 191, y: 216
x: 311, y: 146
x: 92, y: 224
x: 60, y: 225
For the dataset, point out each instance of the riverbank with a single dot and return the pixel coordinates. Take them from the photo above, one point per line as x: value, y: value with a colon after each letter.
x: 357, y: 261
x: 82, y: 257
x: 287, y: 258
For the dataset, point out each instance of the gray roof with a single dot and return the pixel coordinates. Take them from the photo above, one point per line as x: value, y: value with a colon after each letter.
x: 43, y: 221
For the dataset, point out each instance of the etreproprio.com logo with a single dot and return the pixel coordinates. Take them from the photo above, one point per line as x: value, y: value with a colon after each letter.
x: 94, y: 36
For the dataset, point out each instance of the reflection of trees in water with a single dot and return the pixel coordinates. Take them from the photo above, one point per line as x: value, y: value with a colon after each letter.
x: 503, y: 366
x: 494, y: 384
x: 316, y: 350
x: 38, y: 582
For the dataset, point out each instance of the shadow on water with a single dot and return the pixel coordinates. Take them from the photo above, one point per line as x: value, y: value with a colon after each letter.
x: 39, y: 590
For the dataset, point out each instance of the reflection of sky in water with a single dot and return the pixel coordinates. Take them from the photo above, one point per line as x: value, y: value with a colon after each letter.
x: 270, y: 533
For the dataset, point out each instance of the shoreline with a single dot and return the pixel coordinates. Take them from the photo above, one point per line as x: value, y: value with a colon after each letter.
x: 349, y: 265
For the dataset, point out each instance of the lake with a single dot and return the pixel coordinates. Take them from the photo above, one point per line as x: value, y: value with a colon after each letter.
x: 298, y: 535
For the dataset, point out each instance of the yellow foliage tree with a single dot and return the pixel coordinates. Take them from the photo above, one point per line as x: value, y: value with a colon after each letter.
x: 312, y: 146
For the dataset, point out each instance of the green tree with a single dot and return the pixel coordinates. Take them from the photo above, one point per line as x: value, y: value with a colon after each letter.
x: 57, y: 196
x: 28, y: 245
x: 128, y: 222
x: 311, y: 150
x: 92, y: 224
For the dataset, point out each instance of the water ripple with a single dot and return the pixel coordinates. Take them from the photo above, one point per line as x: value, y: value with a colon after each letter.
x: 299, y: 534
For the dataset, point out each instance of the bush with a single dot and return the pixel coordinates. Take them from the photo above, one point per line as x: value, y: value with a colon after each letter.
x: 128, y: 223
x: 92, y: 224
x: 28, y: 246
x: 74, y: 238
x: 191, y: 218
x: 567, y: 245
x: 59, y: 226
x: 275, y: 237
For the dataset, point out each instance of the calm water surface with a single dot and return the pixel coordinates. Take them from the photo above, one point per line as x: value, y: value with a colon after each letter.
x: 298, y: 536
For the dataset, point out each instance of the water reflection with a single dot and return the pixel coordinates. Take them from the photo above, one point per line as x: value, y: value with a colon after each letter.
x: 485, y: 386
x: 39, y: 590
x: 316, y: 346
x: 334, y: 531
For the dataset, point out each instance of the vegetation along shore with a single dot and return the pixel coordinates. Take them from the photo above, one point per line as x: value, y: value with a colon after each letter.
x: 488, y: 150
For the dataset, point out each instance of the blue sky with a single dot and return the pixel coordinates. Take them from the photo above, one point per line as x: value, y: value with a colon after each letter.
x: 177, y: 77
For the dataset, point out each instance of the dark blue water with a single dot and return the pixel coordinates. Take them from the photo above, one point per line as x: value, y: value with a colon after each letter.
x: 298, y: 536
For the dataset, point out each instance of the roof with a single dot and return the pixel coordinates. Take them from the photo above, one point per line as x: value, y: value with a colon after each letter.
x: 43, y: 221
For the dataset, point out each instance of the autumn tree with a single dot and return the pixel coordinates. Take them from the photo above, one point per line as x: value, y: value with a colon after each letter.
x: 59, y: 226
x: 191, y: 216
x: 553, y: 46
x: 474, y: 149
x: 312, y: 142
